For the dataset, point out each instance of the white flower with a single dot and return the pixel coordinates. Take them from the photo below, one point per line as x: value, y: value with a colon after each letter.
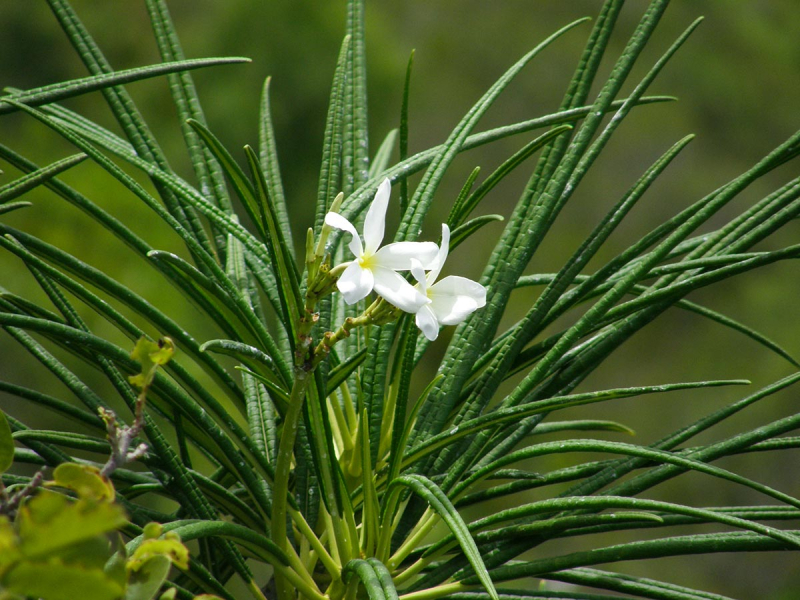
x: 452, y: 299
x: 375, y: 268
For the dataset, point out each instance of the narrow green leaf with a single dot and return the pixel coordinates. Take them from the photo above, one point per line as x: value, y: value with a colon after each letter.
x: 537, y: 317
x: 586, y: 445
x: 250, y: 355
x: 536, y: 206
x: 399, y: 456
x: 33, y: 180
x: 64, y: 409
x: 582, y: 425
x: 6, y: 444
x: 330, y: 169
x: 452, y: 219
x: 189, y: 530
x: 385, y: 577
x: 355, y: 141
x: 370, y: 507
x: 96, y: 278
x: 7, y: 208
x: 662, y: 547
x: 403, y: 133
x: 709, y: 453
x: 207, y: 260
x: 285, y: 268
x: 462, y: 232
x: 339, y: 374
x: 502, y: 415
x: 261, y: 416
x: 75, y: 87
x: 66, y: 439
x: 268, y: 160
x: 187, y: 103
x: 461, y: 210
x: 440, y: 503
x: 524, y: 361
x: 423, y: 196
x: 384, y: 154
x: 278, y: 393
x: 369, y: 578
x: 401, y: 380
x: 375, y: 391
x: 618, y: 582
x: 235, y: 175
x: 201, y: 291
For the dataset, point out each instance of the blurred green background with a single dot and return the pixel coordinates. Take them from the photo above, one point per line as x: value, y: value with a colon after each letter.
x: 737, y: 80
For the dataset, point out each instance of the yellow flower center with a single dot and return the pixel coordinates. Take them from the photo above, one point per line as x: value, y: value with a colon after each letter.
x: 367, y: 261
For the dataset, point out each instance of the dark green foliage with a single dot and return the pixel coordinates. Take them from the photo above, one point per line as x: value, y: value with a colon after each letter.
x: 309, y: 434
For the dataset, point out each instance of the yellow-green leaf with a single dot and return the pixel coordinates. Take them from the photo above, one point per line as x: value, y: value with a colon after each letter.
x: 170, y: 547
x: 9, y: 545
x: 150, y: 355
x: 144, y: 583
x: 152, y: 531
x: 84, y: 480
x: 54, y: 581
x: 51, y: 523
x: 170, y: 594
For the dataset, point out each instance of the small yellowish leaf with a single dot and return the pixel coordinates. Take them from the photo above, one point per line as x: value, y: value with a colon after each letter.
x: 84, y: 480
x: 152, y: 531
x: 150, y: 355
x: 172, y: 549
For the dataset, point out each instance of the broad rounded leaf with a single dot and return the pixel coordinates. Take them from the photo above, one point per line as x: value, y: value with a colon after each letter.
x: 54, y: 581
x: 146, y: 581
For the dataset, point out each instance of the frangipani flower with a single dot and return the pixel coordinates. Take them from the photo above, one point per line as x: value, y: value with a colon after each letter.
x: 376, y: 268
x: 452, y: 299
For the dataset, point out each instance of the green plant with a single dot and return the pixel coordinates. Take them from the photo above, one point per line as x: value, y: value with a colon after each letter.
x: 314, y: 455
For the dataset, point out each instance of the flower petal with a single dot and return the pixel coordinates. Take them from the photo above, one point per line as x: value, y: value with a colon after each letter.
x: 426, y: 321
x: 454, y: 298
x: 419, y: 274
x: 339, y: 222
x: 396, y: 290
x: 375, y: 221
x: 441, y: 255
x: 355, y: 283
x: 398, y: 256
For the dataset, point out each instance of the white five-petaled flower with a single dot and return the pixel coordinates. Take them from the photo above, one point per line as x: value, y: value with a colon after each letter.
x: 452, y: 299
x: 376, y: 268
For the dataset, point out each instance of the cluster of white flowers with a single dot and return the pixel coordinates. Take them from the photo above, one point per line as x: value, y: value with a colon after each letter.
x: 447, y: 302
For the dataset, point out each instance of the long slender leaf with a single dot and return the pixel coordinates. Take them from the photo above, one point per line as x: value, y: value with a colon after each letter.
x: 69, y: 89
x: 440, y: 503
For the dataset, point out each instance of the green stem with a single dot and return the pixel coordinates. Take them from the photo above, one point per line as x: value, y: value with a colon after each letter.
x: 283, y: 470
x: 438, y: 591
x: 327, y: 560
x: 423, y: 528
